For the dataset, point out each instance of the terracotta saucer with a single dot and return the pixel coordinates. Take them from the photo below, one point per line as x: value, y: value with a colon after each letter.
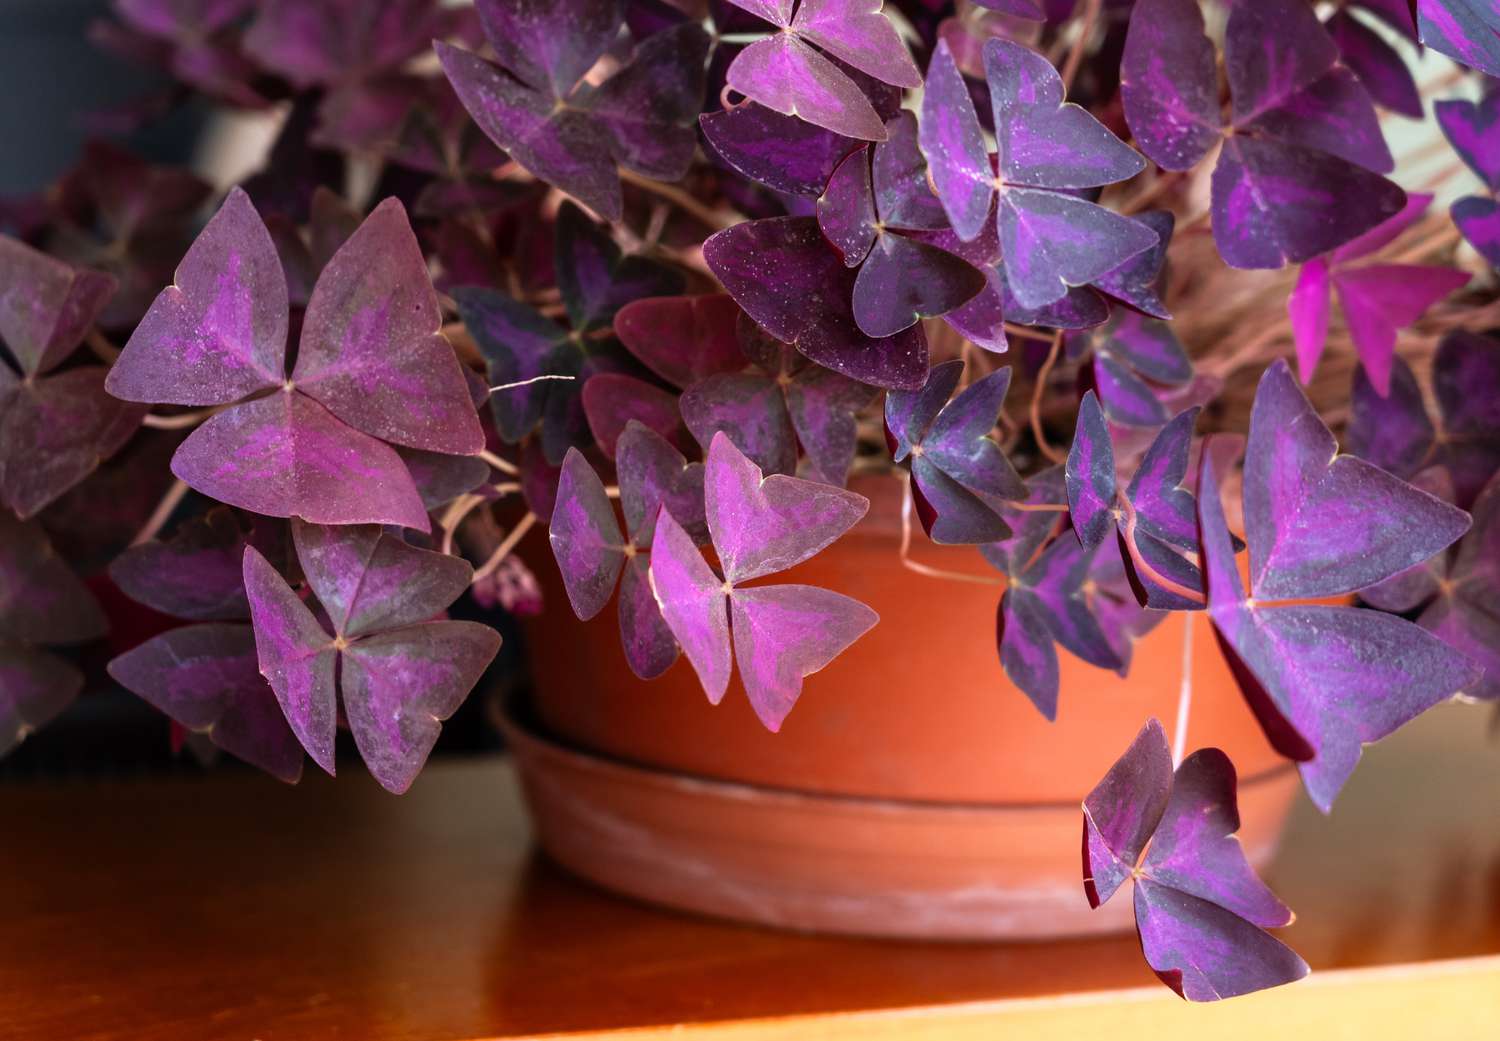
x: 829, y: 863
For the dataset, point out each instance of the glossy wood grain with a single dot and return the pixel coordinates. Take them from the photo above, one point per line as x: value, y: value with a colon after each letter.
x: 230, y: 907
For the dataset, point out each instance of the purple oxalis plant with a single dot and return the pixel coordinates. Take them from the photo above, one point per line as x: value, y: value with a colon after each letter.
x: 1300, y: 159
x: 1200, y: 910
x: 758, y: 526
x: 660, y: 275
x: 312, y: 440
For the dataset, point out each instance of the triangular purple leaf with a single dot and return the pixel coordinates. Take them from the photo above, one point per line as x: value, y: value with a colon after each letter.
x: 207, y: 679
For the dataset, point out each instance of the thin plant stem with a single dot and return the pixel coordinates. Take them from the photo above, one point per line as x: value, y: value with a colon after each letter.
x: 100, y: 345
x: 178, y: 422
x: 686, y: 202
x: 502, y: 551
x: 453, y: 516
x: 1184, y: 693
x: 924, y: 569
x: 1026, y: 333
x: 529, y: 382
x: 1036, y: 507
x: 163, y: 513
x: 1085, y: 30
x: 1042, y: 444
x: 505, y: 466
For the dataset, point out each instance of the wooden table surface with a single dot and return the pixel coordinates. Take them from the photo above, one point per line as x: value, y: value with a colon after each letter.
x: 231, y: 907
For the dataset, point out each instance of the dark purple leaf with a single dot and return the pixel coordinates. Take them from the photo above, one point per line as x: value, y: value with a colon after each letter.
x: 846, y: 209
x: 1158, y: 494
x: 286, y: 455
x: 196, y: 574
x: 1150, y: 347
x: 903, y: 195
x: 219, y: 332
x: 585, y: 537
x: 546, y: 45
x: 371, y: 350
x: 1276, y: 203
x: 785, y: 276
x: 1122, y: 812
x: 566, y: 147
x: 959, y: 440
x: 296, y: 656
x: 1091, y: 474
x: 369, y: 582
x: 1380, y: 68
x: 1042, y: 141
x: 1466, y: 30
x: 652, y: 474
x: 1479, y: 220
x: 1200, y: 910
x: 1333, y: 115
x: 1391, y: 431
x: 779, y: 151
x: 518, y: 345
x: 682, y: 338
x: 1169, y: 83
x: 610, y: 400
x: 41, y: 600
x: 1052, y: 241
x: 312, y: 42
x: 822, y: 405
x: 1322, y: 680
x: 752, y: 410
x: 398, y: 675
x: 1027, y: 652
x: 54, y: 431
x: 596, y: 279
x: 1471, y: 128
x: 399, y: 686
x: 442, y: 478
x: 1127, y: 399
x: 649, y: 106
x: 46, y: 306
x: 35, y: 686
x: 1322, y: 524
x: 949, y: 512
x: 903, y: 281
x: 1138, y: 281
x: 207, y: 679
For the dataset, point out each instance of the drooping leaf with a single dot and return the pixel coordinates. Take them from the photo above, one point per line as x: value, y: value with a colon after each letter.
x: 1322, y: 680
x: 1201, y: 911
x: 207, y: 679
x: 1309, y: 510
x: 960, y: 477
x: 196, y: 574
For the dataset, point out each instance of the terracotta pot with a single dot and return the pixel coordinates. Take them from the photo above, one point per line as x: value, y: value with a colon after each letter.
x: 910, y: 743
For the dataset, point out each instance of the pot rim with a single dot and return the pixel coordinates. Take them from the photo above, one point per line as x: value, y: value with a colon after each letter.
x: 523, y: 735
